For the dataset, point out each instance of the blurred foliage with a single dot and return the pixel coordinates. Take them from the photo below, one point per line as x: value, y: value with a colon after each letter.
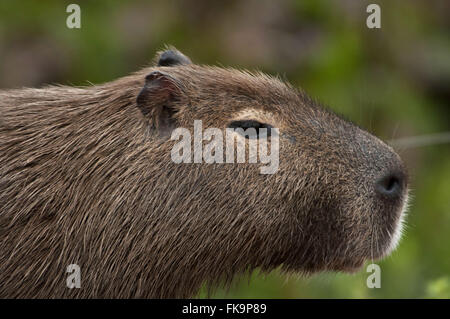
x: 439, y: 288
x: 394, y: 81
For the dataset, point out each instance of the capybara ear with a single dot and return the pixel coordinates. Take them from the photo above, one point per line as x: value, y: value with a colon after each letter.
x: 171, y: 57
x: 158, y: 101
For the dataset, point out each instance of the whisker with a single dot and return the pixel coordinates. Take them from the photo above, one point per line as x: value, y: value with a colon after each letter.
x: 394, y: 132
x: 371, y: 238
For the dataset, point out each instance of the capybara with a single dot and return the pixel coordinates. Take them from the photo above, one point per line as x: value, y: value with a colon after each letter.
x: 87, y: 178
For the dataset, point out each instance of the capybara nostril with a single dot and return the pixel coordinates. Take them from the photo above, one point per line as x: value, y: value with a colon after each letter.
x: 390, y: 185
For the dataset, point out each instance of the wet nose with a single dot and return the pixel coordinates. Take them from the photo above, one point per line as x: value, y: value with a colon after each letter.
x: 391, y: 185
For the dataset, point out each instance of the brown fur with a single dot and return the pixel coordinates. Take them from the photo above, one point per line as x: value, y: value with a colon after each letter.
x: 86, y: 179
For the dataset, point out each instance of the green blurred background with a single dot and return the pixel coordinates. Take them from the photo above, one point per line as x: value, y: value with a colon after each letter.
x: 393, y: 81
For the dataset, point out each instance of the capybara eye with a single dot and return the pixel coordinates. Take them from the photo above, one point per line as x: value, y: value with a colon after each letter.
x: 251, y: 128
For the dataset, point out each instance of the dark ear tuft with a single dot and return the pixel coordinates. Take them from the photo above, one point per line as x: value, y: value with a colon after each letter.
x: 172, y: 57
x: 158, y: 100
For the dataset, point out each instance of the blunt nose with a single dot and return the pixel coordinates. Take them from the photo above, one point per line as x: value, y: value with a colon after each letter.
x: 391, y: 185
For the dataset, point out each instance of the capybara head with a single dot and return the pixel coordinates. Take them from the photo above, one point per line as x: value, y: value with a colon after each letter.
x: 103, y: 190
